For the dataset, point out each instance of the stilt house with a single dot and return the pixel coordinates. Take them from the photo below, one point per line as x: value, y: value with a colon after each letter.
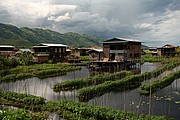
x: 122, y: 49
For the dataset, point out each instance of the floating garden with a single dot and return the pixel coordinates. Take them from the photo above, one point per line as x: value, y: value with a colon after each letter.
x: 38, y: 70
x: 90, y: 81
x: 98, y: 85
x: 74, y: 110
x: 156, y: 85
x: 34, y: 107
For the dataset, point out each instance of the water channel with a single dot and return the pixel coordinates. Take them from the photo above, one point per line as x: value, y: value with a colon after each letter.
x: 164, y: 102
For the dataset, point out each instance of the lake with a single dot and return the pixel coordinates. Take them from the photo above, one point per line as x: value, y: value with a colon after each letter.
x: 163, y: 102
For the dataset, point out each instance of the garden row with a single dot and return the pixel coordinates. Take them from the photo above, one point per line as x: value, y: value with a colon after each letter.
x: 90, y: 81
x: 82, y: 111
x: 158, y: 84
x: 40, y: 71
x: 88, y: 111
x: 150, y: 58
x: 20, y: 114
x: 22, y: 98
x: 129, y: 82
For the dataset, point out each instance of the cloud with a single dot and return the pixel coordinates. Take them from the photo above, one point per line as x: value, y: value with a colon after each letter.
x: 27, y: 13
x: 59, y: 18
x: 163, y: 29
x: 146, y: 20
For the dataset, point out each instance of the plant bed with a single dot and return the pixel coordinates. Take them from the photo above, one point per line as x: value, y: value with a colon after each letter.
x: 21, y: 114
x: 158, y: 84
x: 129, y: 82
x: 40, y: 71
x: 79, y: 110
x: 22, y: 98
x: 90, y: 81
x: 88, y: 111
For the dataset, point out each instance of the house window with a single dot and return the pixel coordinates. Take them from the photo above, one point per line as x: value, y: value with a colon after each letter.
x: 55, y: 50
x: 60, y: 50
x: 64, y: 50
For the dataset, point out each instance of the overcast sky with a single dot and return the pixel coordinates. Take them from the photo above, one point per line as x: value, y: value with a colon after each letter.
x: 154, y: 22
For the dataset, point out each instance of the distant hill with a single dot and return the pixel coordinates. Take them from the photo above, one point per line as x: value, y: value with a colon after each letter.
x: 27, y: 37
x: 144, y: 47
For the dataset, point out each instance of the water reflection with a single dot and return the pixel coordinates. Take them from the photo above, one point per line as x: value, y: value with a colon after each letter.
x: 38, y: 87
x: 164, y: 102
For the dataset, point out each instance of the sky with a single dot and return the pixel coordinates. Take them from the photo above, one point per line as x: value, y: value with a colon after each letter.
x: 153, y: 22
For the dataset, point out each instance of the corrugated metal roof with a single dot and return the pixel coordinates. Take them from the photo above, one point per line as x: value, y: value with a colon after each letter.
x: 120, y: 40
x: 168, y: 46
x: 25, y: 50
x: 40, y: 46
x: 53, y: 45
x: 68, y: 50
x: 5, y: 46
x: 97, y: 50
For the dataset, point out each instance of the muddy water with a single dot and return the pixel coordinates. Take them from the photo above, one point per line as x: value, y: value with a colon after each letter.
x: 164, y: 102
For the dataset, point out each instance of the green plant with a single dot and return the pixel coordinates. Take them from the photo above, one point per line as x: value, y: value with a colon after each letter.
x: 90, y: 81
x: 22, y: 98
x: 158, y: 84
x: 129, y: 82
x: 87, y: 111
x: 20, y: 114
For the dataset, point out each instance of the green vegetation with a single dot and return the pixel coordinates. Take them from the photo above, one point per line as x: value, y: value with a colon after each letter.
x: 73, y: 110
x: 37, y: 70
x: 84, y: 82
x: 26, y: 37
x: 22, y: 98
x: 20, y: 114
x: 8, y: 63
x: 84, y: 58
x: 87, y: 111
x: 23, y: 59
x: 149, y: 58
x: 158, y: 84
x: 126, y: 83
x: 178, y: 51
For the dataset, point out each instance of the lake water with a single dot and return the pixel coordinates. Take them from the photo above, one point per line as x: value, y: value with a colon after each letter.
x: 164, y: 102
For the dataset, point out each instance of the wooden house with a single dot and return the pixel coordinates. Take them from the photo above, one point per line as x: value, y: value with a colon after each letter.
x: 122, y: 49
x: 24, y: 50
x: 167, y: 50
x: 79, y: 51
x: 96, y: 54
x: 7, y: 51
x: 44, y: 52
